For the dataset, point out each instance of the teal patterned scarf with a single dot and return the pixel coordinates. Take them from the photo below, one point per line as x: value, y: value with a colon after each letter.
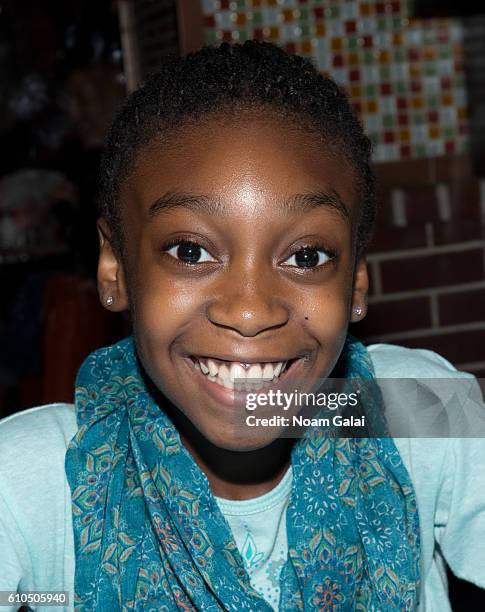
x: 149, y: 534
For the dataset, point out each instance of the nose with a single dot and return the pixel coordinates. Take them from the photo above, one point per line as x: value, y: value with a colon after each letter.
x: 248, y: 303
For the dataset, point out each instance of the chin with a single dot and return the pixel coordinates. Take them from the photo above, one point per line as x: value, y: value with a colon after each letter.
x: 241, y: 443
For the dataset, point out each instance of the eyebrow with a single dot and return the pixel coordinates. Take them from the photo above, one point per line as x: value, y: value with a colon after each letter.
x: 298, y: 203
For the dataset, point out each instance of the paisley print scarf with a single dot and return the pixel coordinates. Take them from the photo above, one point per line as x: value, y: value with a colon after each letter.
x: 149, y: 534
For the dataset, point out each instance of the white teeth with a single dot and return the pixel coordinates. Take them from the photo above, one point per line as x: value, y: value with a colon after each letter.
x: 255, y: 371
x: 213, y: 369
x: 268, y: 371
x: 255, y: 375
x: 223, y: 371
x: 203, y: 367
x: 278, y: 368
x: 227, y: 382
x: 237, y: 371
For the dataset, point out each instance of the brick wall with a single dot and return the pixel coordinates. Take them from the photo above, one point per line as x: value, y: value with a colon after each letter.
x: 427, y: 261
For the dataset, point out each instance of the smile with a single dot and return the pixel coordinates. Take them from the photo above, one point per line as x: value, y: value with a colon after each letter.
x: 245, y: 376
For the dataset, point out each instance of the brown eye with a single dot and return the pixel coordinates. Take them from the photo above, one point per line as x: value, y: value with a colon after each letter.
x: 189, y: 252
x: 308, y: 257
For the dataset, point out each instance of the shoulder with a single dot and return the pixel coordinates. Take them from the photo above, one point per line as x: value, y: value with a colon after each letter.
x: 393, y: 361
x: 40, y: 429
x: 33, y: 445
x: 35, y: 521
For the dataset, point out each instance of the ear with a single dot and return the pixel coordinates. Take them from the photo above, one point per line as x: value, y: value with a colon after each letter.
x: 359, y: 291
x: 111, y: 275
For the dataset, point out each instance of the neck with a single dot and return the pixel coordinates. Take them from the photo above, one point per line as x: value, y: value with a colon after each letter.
x: 242, y: 474
x: 232, y: 474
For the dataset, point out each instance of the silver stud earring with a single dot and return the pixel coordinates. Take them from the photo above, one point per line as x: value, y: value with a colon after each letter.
x: 109, y: 300
x: 358, y: 310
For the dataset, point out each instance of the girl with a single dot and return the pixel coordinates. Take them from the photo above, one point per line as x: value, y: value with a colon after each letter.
x: 237, y: 203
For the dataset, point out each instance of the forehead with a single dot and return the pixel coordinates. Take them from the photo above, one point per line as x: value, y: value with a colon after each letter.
x: 249, y: 157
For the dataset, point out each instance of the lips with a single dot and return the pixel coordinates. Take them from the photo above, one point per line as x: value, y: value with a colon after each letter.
x: 247, y: 376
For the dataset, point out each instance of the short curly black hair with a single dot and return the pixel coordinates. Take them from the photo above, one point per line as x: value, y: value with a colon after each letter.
x: 218, y: 80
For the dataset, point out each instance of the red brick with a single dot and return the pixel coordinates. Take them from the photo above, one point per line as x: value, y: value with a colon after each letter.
x: 463, y: 307
x: 457, y: 347
x: 398, y: 174
x: 450, y: 168
x: 450, y: 147
x: 460, y: 230
x: 357, y: 106
x: 397, y: 238
x: 432, y: 270
x: 354, y: 75
x: 384, y: 211
x: 444, y: 169
x: 465, y: 199
x: 350, y: 27
x: 421, y: 204
x: 395, y: 316
x: 386, y: 89
x: 413, y: 55
x: 405, y: 151
x: 446, y: 82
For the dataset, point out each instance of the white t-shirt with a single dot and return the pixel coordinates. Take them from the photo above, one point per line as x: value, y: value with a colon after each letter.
x: 36, y: 539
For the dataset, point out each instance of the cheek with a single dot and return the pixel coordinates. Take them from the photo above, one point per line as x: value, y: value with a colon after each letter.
x: 162, y: 310
x: 328, y: 323
x: 326, y: 311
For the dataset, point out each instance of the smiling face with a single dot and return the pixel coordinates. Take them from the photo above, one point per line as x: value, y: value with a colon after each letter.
x: 239, y: 254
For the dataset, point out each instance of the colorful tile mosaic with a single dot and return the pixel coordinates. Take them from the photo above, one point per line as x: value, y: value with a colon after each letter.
x: 404, y: 76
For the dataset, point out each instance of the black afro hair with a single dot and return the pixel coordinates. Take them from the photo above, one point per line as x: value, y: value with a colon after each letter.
x: 218, y: 80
